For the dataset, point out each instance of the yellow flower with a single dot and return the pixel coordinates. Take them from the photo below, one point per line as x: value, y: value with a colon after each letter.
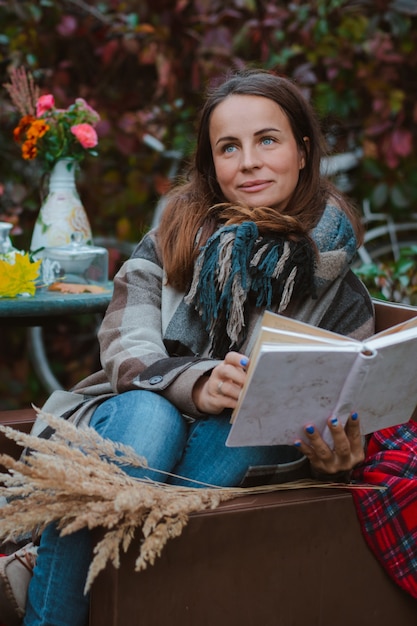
x: 18, y: 277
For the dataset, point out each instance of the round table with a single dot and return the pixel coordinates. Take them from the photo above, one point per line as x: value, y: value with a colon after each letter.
x: 36, y: 311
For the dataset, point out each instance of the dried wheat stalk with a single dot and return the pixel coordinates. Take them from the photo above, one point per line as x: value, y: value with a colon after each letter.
x: 76, y: 479
x: 23, y: 91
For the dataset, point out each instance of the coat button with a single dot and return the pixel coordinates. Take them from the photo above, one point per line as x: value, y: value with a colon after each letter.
x: 155, y: 380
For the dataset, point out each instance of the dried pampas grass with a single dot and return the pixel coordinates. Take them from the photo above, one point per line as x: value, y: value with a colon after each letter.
x: 76, y: 479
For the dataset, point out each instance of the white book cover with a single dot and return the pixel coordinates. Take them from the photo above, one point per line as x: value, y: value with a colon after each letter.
x: 300, y: 374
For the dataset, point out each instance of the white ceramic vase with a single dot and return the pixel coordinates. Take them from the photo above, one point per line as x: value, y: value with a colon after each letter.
x: 62, y: 212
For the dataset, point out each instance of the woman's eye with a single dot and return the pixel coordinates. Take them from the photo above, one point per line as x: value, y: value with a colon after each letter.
x: 267, y: 141
x: 229, y: 148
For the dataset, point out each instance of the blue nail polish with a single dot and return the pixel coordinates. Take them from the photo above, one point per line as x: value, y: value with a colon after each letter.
x: 310, y: 430
x: 354, y: 416
x: 334, y: 421
x: 244, y: 361
x: 297, y: 443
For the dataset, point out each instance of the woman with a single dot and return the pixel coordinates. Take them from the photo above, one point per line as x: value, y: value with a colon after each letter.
x: 254, y: 226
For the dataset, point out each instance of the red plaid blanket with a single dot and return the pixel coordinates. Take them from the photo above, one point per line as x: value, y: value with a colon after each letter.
x: 389, y: 517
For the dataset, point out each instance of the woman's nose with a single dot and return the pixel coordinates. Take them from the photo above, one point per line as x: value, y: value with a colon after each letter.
x: 249, y: 159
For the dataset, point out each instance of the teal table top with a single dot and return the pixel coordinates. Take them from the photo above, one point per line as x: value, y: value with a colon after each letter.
x: 32, y: 310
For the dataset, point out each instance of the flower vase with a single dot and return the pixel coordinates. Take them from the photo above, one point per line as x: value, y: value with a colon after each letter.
x: 62, y: 212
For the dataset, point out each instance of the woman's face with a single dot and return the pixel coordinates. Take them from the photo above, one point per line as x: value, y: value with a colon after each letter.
x: 256, y: 158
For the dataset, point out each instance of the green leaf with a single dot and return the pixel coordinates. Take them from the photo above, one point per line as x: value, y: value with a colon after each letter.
x: 35, y: 11
x: 398, y: 197
x: 380, y: 195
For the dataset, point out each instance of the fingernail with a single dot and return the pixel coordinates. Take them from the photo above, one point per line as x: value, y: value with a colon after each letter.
x: 354, y: 416
x: 297, y: 443
x: 310, y: 430
x: 334, y: 421
x: 244, y: 361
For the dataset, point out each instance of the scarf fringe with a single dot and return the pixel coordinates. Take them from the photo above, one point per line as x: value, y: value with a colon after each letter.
x: 237, y: 267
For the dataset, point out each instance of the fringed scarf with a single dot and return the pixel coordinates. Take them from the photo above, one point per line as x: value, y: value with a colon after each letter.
x: 238, y: 267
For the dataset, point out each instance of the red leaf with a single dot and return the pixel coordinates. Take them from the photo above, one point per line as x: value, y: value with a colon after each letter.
x: 402, y: 142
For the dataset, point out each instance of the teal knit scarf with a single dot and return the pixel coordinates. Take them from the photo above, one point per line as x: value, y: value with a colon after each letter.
x: 238, y: 268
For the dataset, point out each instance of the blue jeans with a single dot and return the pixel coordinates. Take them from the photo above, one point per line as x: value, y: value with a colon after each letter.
x: 156, y: 430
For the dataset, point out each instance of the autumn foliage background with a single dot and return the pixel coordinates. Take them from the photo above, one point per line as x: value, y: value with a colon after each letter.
x: 144, y: 67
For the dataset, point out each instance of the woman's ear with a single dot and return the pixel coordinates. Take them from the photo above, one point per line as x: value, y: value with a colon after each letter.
x: 303, y: 152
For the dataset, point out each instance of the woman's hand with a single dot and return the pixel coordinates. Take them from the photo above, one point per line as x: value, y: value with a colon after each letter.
x: 347, y: 450
x: 220, y: 390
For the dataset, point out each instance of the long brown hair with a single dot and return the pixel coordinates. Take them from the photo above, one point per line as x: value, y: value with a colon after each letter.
x: 195, y: 207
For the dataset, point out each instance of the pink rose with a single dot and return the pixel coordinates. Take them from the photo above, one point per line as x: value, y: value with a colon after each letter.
x: 85, y: 134
x: 44, y: 104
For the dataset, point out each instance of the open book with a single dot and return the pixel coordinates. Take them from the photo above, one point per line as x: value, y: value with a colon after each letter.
x: 300, y: 374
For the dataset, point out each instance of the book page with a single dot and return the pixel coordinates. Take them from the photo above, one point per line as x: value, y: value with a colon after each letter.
x: 356, y: 380
x: 279, y: 329
x: 398, y: 328
x: 276, y: 335
x: 289, y: 389
x: 285, y: 337
x: 274, y: 320
x: 389, y: 337
x: 389, y: 395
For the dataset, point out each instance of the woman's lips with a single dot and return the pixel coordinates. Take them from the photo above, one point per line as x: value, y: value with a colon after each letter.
x: 254, y: 185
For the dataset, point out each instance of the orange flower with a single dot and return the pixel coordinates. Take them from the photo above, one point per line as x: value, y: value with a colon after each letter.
x: 29, y: 150
x: 37, y: 129
x: 23, y: 126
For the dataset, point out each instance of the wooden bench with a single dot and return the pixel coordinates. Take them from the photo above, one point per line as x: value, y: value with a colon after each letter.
x: 21, y: 419
x: 289, y: 558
